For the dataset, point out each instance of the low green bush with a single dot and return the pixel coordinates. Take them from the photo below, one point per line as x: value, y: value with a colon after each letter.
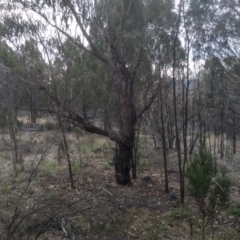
x: 50, y: 126
x: 6, y: 188
x: 235, y: 210
x: 210, y: 188
x: 76, y: 168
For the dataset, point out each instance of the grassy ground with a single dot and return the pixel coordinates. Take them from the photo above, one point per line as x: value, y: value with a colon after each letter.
x: 40, y: 200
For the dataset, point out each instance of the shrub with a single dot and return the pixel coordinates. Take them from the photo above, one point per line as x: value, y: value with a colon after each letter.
x: 209, y: 188
x: 52, y: 195
x: 76, y: 168
x: 41, y: 127
x: 19, y: 123
x: 175, y: 213
x: 6, y: 189
x: 48, y: 169
x: 49, y: 126
x: 235, y: 210
x: 106, y: 165
x: 143, y: 163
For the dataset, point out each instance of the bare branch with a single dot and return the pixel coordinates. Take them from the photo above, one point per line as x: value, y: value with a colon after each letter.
x: 148, y: 105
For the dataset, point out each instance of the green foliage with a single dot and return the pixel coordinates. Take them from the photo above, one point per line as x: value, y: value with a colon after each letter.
x: 105, y: 227
x: 96, y: 149
x: 41, y: 127
x: 48, y: 169
x: 200, y: 172
x: 6, y: 188
x: 106, y: 165
x: 210, y: 189
x: 52, y: 195
x: 76, y: 168
x: 61, y: 168
x: 235, y: 210
x: 143, y: 163
x: 177, y: 213
x: 78, y: 131
x: 90, y: 146
x: 19, y: 123
x: 49, y: 126
x: 104, y: 147
x: 205, y: 182
x: 220, y: 191
x: 8, y: 57
x: 227, y: 235
x: 156, y: 230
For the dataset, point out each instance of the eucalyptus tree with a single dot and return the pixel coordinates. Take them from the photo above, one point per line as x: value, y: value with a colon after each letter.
x: 33, y: 71
x: 163, y: 28
x: 10, y: 99
x: 116, y: 33
x: 83, y: 83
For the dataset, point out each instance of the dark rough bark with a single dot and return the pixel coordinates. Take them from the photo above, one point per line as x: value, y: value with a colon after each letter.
x: 123, y: 163
x: 124, y: 151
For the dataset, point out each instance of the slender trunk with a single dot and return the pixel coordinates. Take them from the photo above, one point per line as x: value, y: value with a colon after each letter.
x: 175, y: 108
x: 222, y: 136
x: 193, y: 136
x: 11, y: 126
x: 68, y: 156
x: 163, y: 131
x: 135, y: 157
x: 66, y: 149
x: 204, y: 133
x: 193, y: 120
x: 185, y: 118
x: 164, y: 144
x: 170, y: 135
x: 200, y: 127
x: 209, y: 140
x: 153, y: 129
x: 215, y: 142
x: 234, y: 132
x: 32, y: 107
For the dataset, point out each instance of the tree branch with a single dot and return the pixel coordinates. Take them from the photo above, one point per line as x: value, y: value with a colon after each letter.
x: 79, y: 121
x: 148, y: 105
x: 95, y: 50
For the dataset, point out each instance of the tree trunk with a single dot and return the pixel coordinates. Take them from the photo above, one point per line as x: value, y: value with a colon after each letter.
x: 124, y: 151
x: 135, y: 156
x: 123, y: 163
x: 234, y: 132
x: 222, y: 136
x: 32, y: 108
x: 164, y: 143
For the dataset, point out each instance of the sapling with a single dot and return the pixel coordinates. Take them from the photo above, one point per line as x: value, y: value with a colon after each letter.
x: 209, y: 187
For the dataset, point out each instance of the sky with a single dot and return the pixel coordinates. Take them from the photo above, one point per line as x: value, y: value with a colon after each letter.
x: 74, y: 30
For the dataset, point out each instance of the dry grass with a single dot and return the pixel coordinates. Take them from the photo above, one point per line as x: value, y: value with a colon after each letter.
x: 98, y: 208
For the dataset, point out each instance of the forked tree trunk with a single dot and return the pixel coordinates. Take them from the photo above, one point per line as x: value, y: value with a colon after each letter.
x: 125, y: 148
